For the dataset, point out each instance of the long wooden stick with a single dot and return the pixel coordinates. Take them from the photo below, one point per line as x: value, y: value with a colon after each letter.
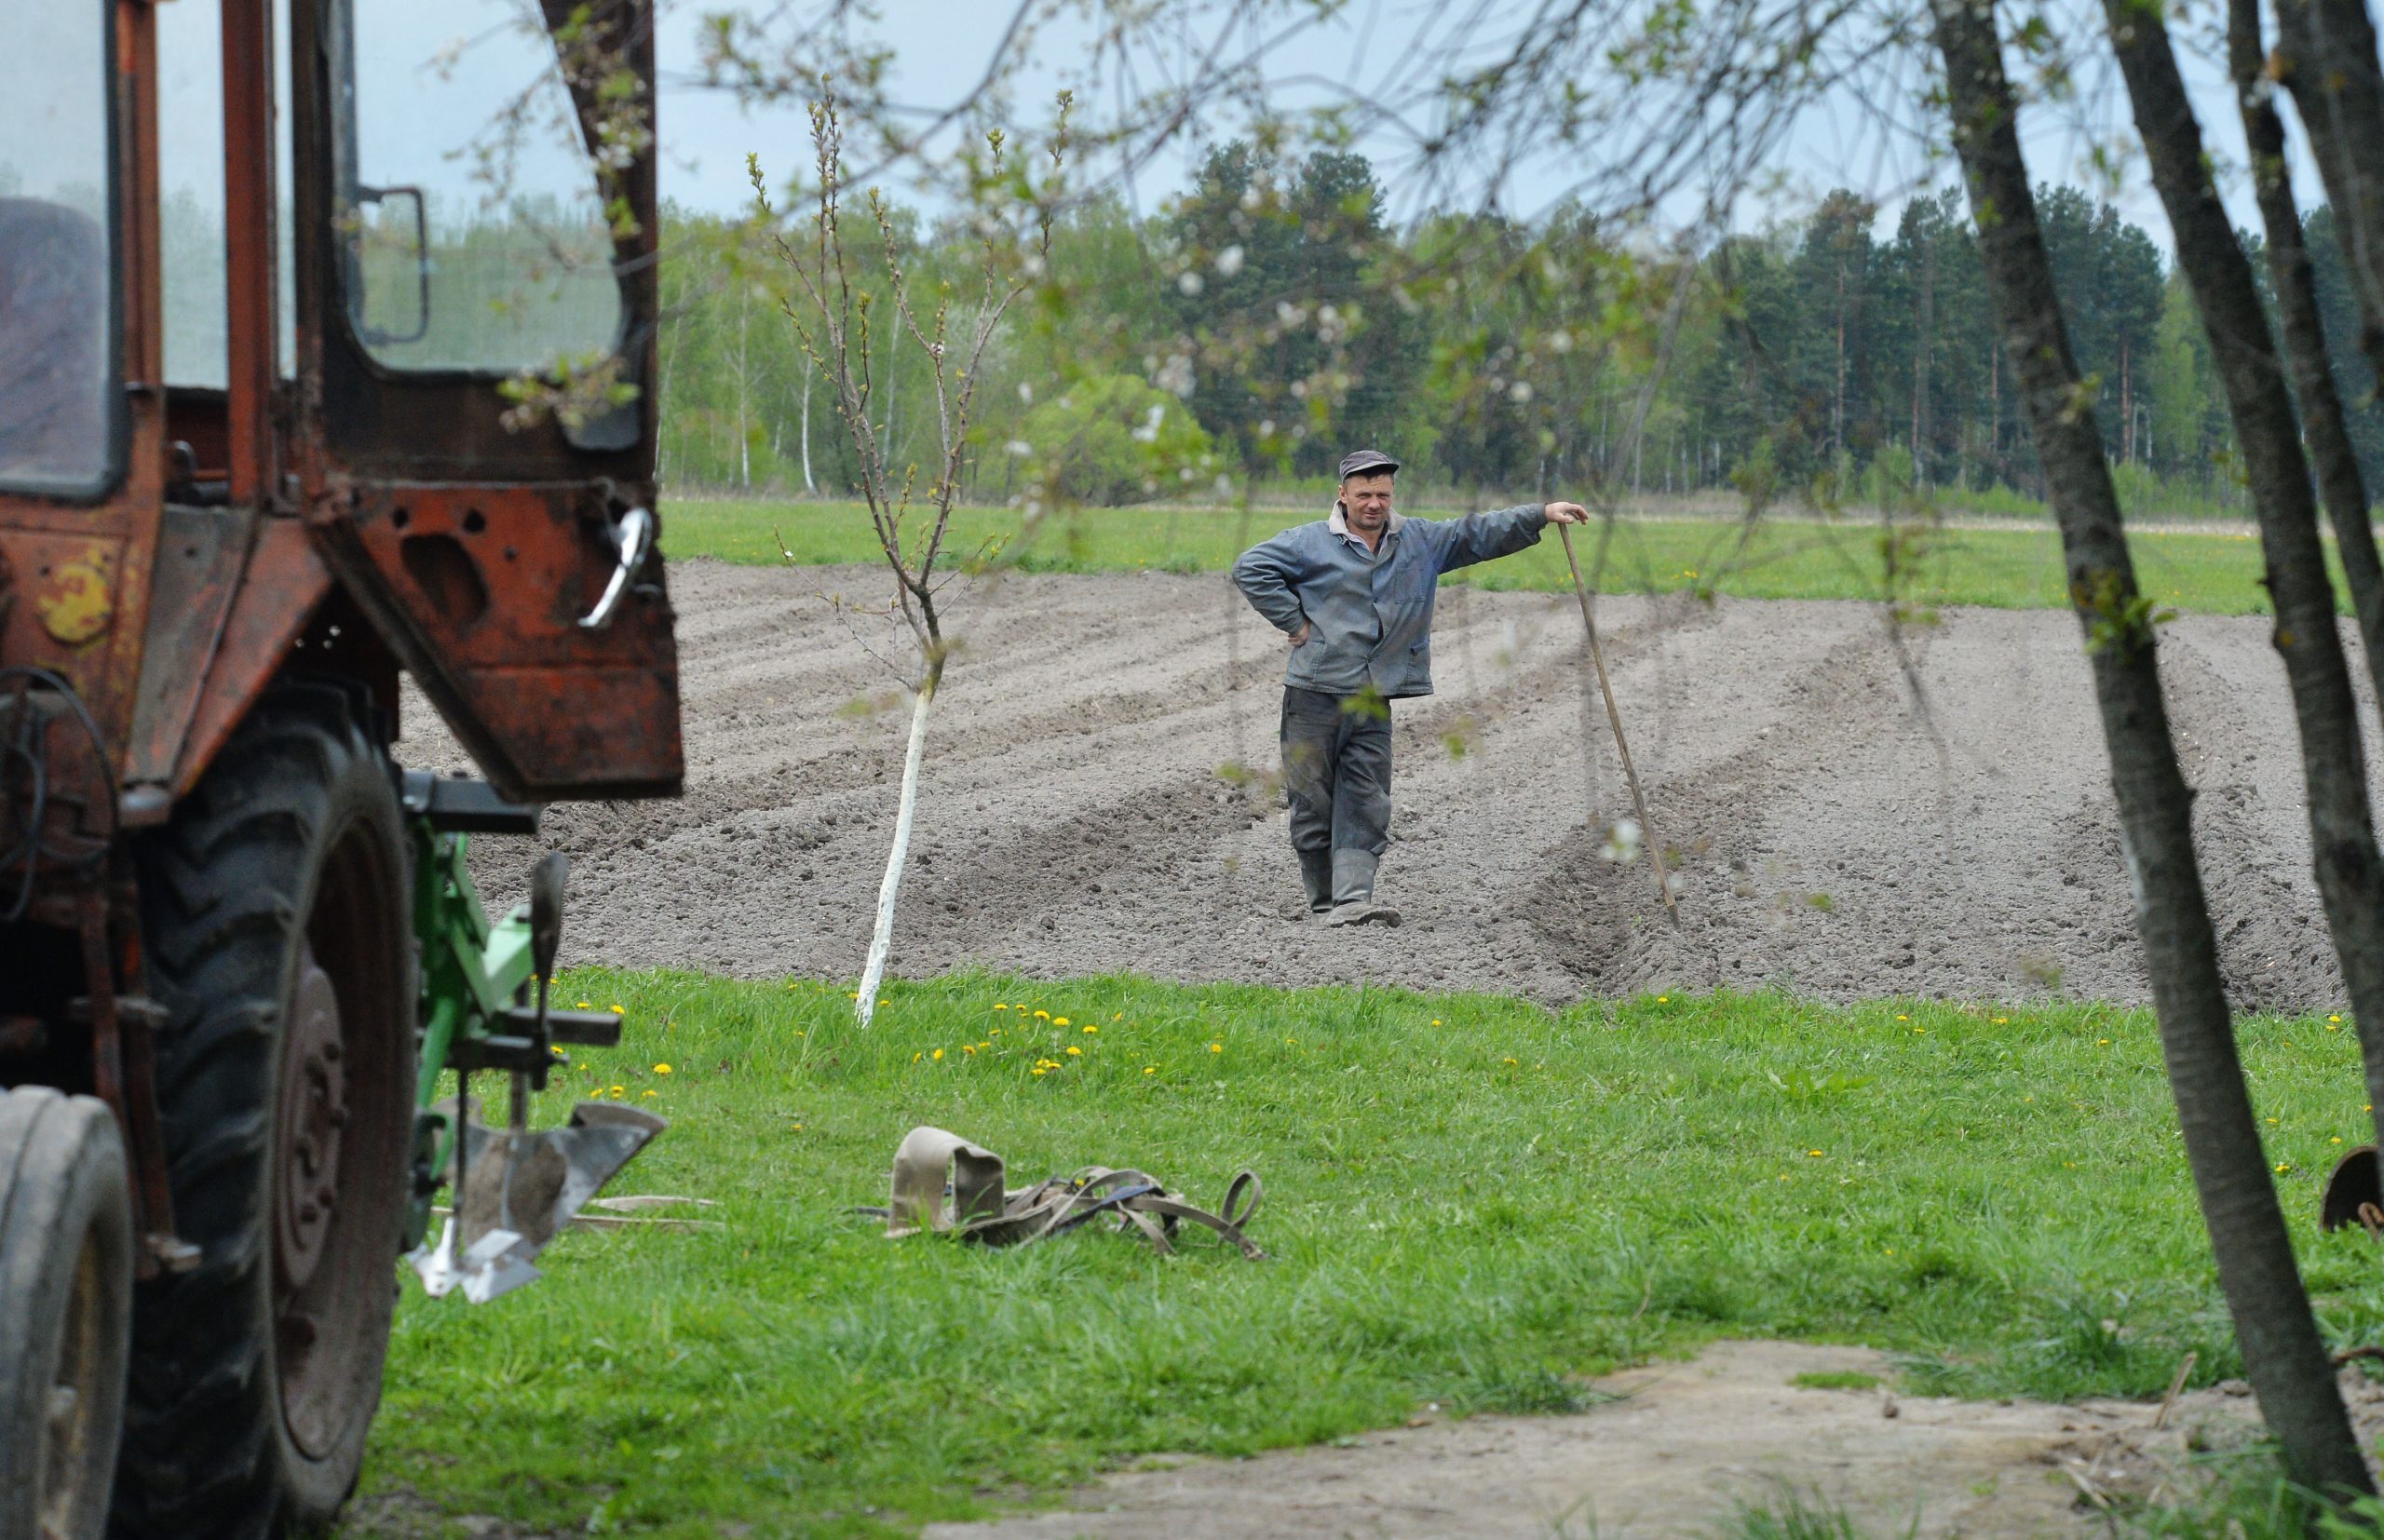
x: 1614, y: 718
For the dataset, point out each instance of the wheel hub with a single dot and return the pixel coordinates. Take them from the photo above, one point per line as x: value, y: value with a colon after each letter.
x: 67, y: 1434
x: 314, y: 1111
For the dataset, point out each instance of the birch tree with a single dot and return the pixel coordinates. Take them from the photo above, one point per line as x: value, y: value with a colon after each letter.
x: 831, y: 314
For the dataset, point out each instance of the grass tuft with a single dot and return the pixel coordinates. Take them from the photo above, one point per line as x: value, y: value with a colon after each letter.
x: 1836, y: 1379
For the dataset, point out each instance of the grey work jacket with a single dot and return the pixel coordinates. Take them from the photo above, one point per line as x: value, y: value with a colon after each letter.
x: 1370, y: 613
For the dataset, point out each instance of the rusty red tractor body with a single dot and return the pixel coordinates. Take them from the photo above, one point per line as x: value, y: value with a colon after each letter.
x: 327, y: 356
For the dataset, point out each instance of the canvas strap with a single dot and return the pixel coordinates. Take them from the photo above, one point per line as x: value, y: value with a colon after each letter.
x: 943, y: 1183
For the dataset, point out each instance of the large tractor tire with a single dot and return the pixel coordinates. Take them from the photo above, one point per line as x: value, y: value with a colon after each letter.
x: 65, y: 1311
x: 279, y: 934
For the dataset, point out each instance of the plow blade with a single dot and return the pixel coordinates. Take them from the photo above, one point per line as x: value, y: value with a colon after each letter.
x: 520, y: 1189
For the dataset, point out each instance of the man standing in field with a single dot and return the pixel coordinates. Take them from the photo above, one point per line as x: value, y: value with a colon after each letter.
x: 1354, y: 594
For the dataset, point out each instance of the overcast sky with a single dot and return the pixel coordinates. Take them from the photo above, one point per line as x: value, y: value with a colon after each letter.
x: 942, y: 48
x: 417, y: 116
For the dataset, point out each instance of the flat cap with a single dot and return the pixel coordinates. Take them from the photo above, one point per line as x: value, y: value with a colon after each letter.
x: 1366, y: 462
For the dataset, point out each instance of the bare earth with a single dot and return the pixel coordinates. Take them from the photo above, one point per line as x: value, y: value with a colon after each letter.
x: 1074, y: 819
x: 1681, y: 1448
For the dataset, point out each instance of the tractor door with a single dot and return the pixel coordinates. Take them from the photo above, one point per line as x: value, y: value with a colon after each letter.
x: 475, y: 427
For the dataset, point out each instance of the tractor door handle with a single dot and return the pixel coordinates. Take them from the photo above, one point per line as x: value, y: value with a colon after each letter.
x: 634, y: 534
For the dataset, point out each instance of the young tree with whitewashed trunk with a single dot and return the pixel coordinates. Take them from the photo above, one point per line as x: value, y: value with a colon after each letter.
x: 832, y: 314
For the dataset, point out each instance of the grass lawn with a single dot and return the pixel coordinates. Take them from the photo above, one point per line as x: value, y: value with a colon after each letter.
x: 2215, y: 573
x: 1470, y: 1201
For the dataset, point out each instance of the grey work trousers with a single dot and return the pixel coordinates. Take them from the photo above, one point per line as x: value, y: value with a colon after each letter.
x: 1336, y: 774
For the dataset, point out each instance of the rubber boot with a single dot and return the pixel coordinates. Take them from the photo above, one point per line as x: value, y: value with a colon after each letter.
x: 1353, y: 891
x: 1316, y: 876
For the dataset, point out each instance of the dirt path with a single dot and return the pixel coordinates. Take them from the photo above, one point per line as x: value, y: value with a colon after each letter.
x: 1682, y: 1447
x: 1074, y: 820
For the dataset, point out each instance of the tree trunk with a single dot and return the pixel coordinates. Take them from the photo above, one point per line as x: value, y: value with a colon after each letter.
x: 1994, y: 408
x: 2326, y: 53
x: 2340, y: 483
x: 2349, y: 869
x: 2283, y: 1354
x: 1923, y: 321
x: 808, y: 484
x: 2127, y: 402
x: 890, y: 890
x: 744, y: 435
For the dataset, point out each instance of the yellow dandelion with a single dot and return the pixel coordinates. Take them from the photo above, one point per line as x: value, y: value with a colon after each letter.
x: 1091, y: 1029
x: 649, y: 1092
x: 1118, y: 1016
x: 1920, y: 1028
x: 2335, y: 1141
x: 2101, y: 1041
x: 939, y: 1053
x: 1217, y: 1048
x: 1663, y: 999
x: 1436, y: 1020
x: 1901, y: 1017
x: 967, y: 1048
x: 1150, y: 1068
x: 2334, y: 1018
x: 883, y: 1001
x: 1058, y: 1020
x: 1814, y: 1153
x: 916, y: 1057
x: 1076, y: 1053
x: 1507, y: 1061
x: 2283, y: 1167
x: 1044, y: 1015
x: 616, y: 1091
x: 582, y: 1005
x: 1001, y: 1008
x: 662, y: 1068
x: 1040, y: 1072
x: 2002, y: 1021
x: 1783, y: 1176
x: 618, y: 1011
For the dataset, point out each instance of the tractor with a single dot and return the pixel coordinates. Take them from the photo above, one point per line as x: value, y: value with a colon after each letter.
x: 327, y: 363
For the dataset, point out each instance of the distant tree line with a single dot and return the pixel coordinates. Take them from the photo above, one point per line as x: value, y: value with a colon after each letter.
x: 1272, y: 315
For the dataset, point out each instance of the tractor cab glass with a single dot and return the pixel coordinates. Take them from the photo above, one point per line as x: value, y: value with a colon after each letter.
x: 475, y: 226
x: 58, y: 303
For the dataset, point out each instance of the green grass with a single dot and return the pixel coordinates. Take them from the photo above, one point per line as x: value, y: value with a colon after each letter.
x: 1836, y: 1379
x: 2212, y: 573
x: 1468, y: 1202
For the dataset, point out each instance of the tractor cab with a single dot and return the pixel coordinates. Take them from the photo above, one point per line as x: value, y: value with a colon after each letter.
x: 327, y: 359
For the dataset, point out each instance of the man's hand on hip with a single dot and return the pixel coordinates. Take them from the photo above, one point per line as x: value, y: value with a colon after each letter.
x: 1566, y: 513
x: 1298, y: 638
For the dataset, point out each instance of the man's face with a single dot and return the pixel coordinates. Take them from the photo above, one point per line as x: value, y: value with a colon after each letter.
x: 1367, y: 500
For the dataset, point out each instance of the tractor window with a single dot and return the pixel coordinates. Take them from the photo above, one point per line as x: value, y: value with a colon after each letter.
x: 58, y: 401
x: 476, y: 235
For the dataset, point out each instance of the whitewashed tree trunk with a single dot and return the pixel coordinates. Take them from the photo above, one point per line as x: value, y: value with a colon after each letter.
x: 808, y: 484
x: 744, y: 437
x: 872, y: 972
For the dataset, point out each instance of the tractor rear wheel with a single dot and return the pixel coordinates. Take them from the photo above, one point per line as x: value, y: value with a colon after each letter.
x: 279, y: 934
x: 66, y: 1274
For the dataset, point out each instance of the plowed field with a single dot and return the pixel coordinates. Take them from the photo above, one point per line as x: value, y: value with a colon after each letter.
x: 1853, y: 818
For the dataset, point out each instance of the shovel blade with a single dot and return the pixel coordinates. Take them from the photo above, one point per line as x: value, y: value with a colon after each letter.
x: 529, y: 1184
